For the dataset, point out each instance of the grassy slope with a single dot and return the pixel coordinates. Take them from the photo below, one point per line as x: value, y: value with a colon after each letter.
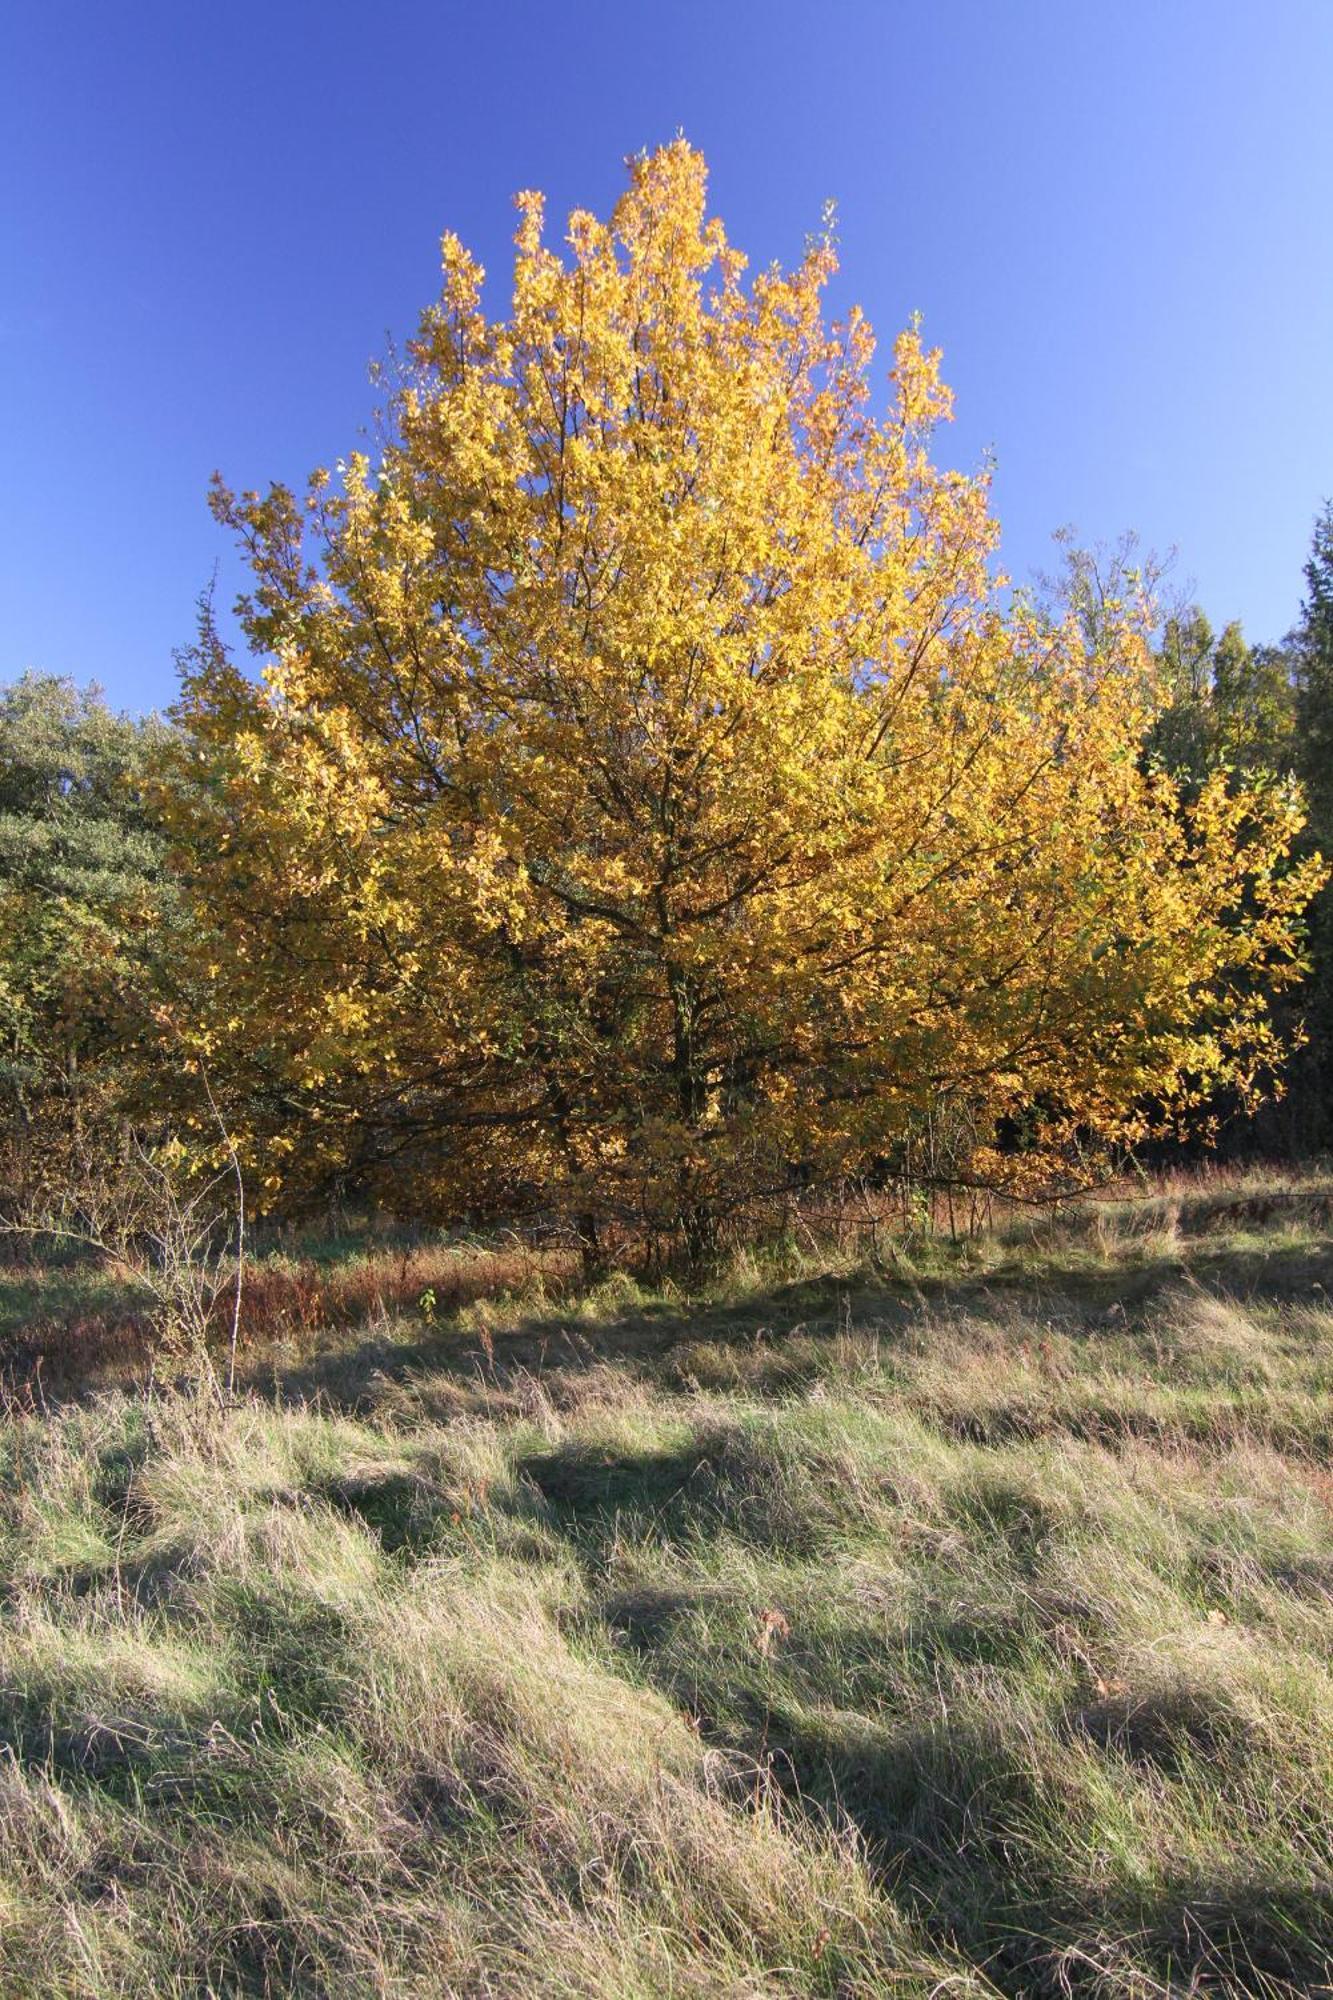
x: 966, y: 1631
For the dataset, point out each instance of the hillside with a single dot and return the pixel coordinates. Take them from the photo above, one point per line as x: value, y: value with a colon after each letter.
x: 955, y: 1626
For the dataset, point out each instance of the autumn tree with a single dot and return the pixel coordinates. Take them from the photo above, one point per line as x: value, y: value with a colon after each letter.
x: 648, y: 801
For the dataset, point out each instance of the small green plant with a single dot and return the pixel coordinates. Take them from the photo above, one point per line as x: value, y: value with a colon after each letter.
x: 426, y: 1305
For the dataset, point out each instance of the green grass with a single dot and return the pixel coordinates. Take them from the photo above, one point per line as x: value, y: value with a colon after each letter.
x: 958, y: 1626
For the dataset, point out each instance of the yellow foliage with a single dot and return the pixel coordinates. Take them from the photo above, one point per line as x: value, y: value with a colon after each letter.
x: 649, y: 797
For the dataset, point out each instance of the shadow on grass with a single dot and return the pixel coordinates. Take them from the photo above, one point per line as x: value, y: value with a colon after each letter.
x: 67, y: 1328
x: 651, y: 1341
x: 951, y: 1813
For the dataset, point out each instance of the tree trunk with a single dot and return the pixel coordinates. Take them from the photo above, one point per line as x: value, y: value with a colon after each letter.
x: 701, y: 1235
x: 592, y: 1250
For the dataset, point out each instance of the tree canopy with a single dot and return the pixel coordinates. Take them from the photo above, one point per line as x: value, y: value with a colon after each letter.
x: 82, y: 884
x: 650, y: 799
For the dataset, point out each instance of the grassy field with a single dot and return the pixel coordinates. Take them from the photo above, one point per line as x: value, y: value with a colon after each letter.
x: 962, y: 1626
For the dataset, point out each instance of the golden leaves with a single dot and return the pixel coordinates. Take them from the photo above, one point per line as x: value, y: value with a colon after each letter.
x: 650, y: 797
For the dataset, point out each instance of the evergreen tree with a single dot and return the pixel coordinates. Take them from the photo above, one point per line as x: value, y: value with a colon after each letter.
x: 83, y: 897
x: 1253, y: 704
x: 1182, y: 735
x: 1314, y: 646
x: 1313, y: 642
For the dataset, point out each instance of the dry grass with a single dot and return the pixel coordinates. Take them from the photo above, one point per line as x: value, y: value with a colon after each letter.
x: 74, y: 1322
x: 965, y: 1631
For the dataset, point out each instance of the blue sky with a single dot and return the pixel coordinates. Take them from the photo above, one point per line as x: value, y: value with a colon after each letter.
x: 1115, y: 220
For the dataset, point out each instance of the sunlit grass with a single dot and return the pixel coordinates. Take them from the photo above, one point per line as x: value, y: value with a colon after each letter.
x: 959, y: 1624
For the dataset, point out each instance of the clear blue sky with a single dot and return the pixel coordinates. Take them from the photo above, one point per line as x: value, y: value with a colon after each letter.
x: 1114, y: 219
